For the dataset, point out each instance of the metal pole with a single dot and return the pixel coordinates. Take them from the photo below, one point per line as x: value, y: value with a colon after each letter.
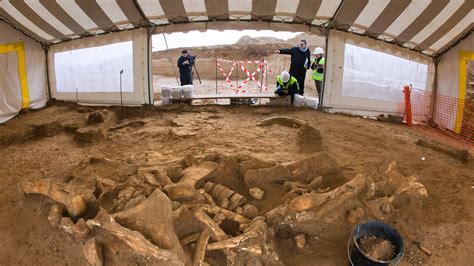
x: 46, y: 49
x: 216, y: 75
x: 325, y: 69
x: 237, y: 74
x: 261, y: 75
x: 149, y: 56
x: 197, y: 73
x: 121, y: 99
x: 435, y: 91
x: 266, y: 73
x: 171, y: 62
x: 77, y: 96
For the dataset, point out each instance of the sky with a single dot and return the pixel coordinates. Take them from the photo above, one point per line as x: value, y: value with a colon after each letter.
x: 212, y: 37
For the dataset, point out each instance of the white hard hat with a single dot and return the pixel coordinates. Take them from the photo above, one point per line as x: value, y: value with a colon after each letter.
x: 285, y: 76
x: 318, y: 50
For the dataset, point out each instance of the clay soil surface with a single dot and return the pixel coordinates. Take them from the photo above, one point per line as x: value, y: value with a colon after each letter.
x: 443, y: 222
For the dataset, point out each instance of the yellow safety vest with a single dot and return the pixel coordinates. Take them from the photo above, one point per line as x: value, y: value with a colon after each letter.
x: 316, y: 75
x: 290, y: 82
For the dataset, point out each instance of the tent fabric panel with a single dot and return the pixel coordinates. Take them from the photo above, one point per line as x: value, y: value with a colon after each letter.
x: 466, y: 24
x: 217, y: 9
x: 448, y: 68
x: 34, y: 59
x: 174, y: 11
x: 10, y: 93
x: 462, y: 12
x: 328, y: 9
x: 422, y: 20
x: 333, y: 94
x: 307, y: 10
x: 76, y: 12
x: 370, y: 13
x: 387, y: 16
x: 151, y: 8
x: 408, y: 15
x: 47, y: 16
x: 31, y: 15
x: 436, y: 22
x: 464, y: 58
x: 14, y: 17
x: 448, y: 83
x: 93, y: 10
x: 263, y: 10
x: 240, y: 6
x: 113, y: 11
x: 140, y: 71
x: 56, y: 10
x: 349, y: 12
x: 131, y: 12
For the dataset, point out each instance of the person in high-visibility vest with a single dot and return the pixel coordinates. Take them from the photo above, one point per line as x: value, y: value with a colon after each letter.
x: 318, y: 71
x: 300, y: 62
x: 287, y: 85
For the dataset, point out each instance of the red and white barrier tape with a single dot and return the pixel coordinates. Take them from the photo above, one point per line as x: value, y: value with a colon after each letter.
x: 262, y: 67
x: 227, y: 76
x: 250, y: 75
x: 240, y: 62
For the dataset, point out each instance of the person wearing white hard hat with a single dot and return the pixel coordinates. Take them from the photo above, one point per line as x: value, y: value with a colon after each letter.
x: 300, y: 62
x: 318, y: 70
x: 287, y: 85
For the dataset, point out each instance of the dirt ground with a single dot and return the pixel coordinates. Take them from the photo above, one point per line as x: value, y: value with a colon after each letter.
x: 443, y: 222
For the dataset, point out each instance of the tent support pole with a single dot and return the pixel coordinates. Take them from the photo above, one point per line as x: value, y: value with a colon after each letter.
x: 149, y: 59
x: 435, y: 90
x: 48, y: 85
x: 327, y: 28
x: 326, y: 35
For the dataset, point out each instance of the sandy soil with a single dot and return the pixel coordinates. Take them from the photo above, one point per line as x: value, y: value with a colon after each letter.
x: 442, y: 223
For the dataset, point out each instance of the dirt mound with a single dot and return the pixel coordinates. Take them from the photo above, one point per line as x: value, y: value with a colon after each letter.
x: 47, y: 129
x: 88, y: 135
x: 247, y: 40
x: 309, y: 139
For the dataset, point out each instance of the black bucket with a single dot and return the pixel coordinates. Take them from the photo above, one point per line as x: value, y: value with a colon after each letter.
x: 379, y: 230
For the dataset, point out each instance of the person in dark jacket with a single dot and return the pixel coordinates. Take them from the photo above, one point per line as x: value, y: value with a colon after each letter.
x: 185, y: 65
x: 300, y: 62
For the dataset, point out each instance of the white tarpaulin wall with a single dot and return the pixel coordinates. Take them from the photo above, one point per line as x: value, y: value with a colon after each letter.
x: 88, y: 70
x: 376, y: 75
x: 12, y: 99
x: 366, y: 76
x: 448, y: 68
x: 95, y: 69
x: 451, y: 71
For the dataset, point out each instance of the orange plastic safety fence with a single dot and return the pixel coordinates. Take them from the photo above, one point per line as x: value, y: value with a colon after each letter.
x: 443, y: 116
